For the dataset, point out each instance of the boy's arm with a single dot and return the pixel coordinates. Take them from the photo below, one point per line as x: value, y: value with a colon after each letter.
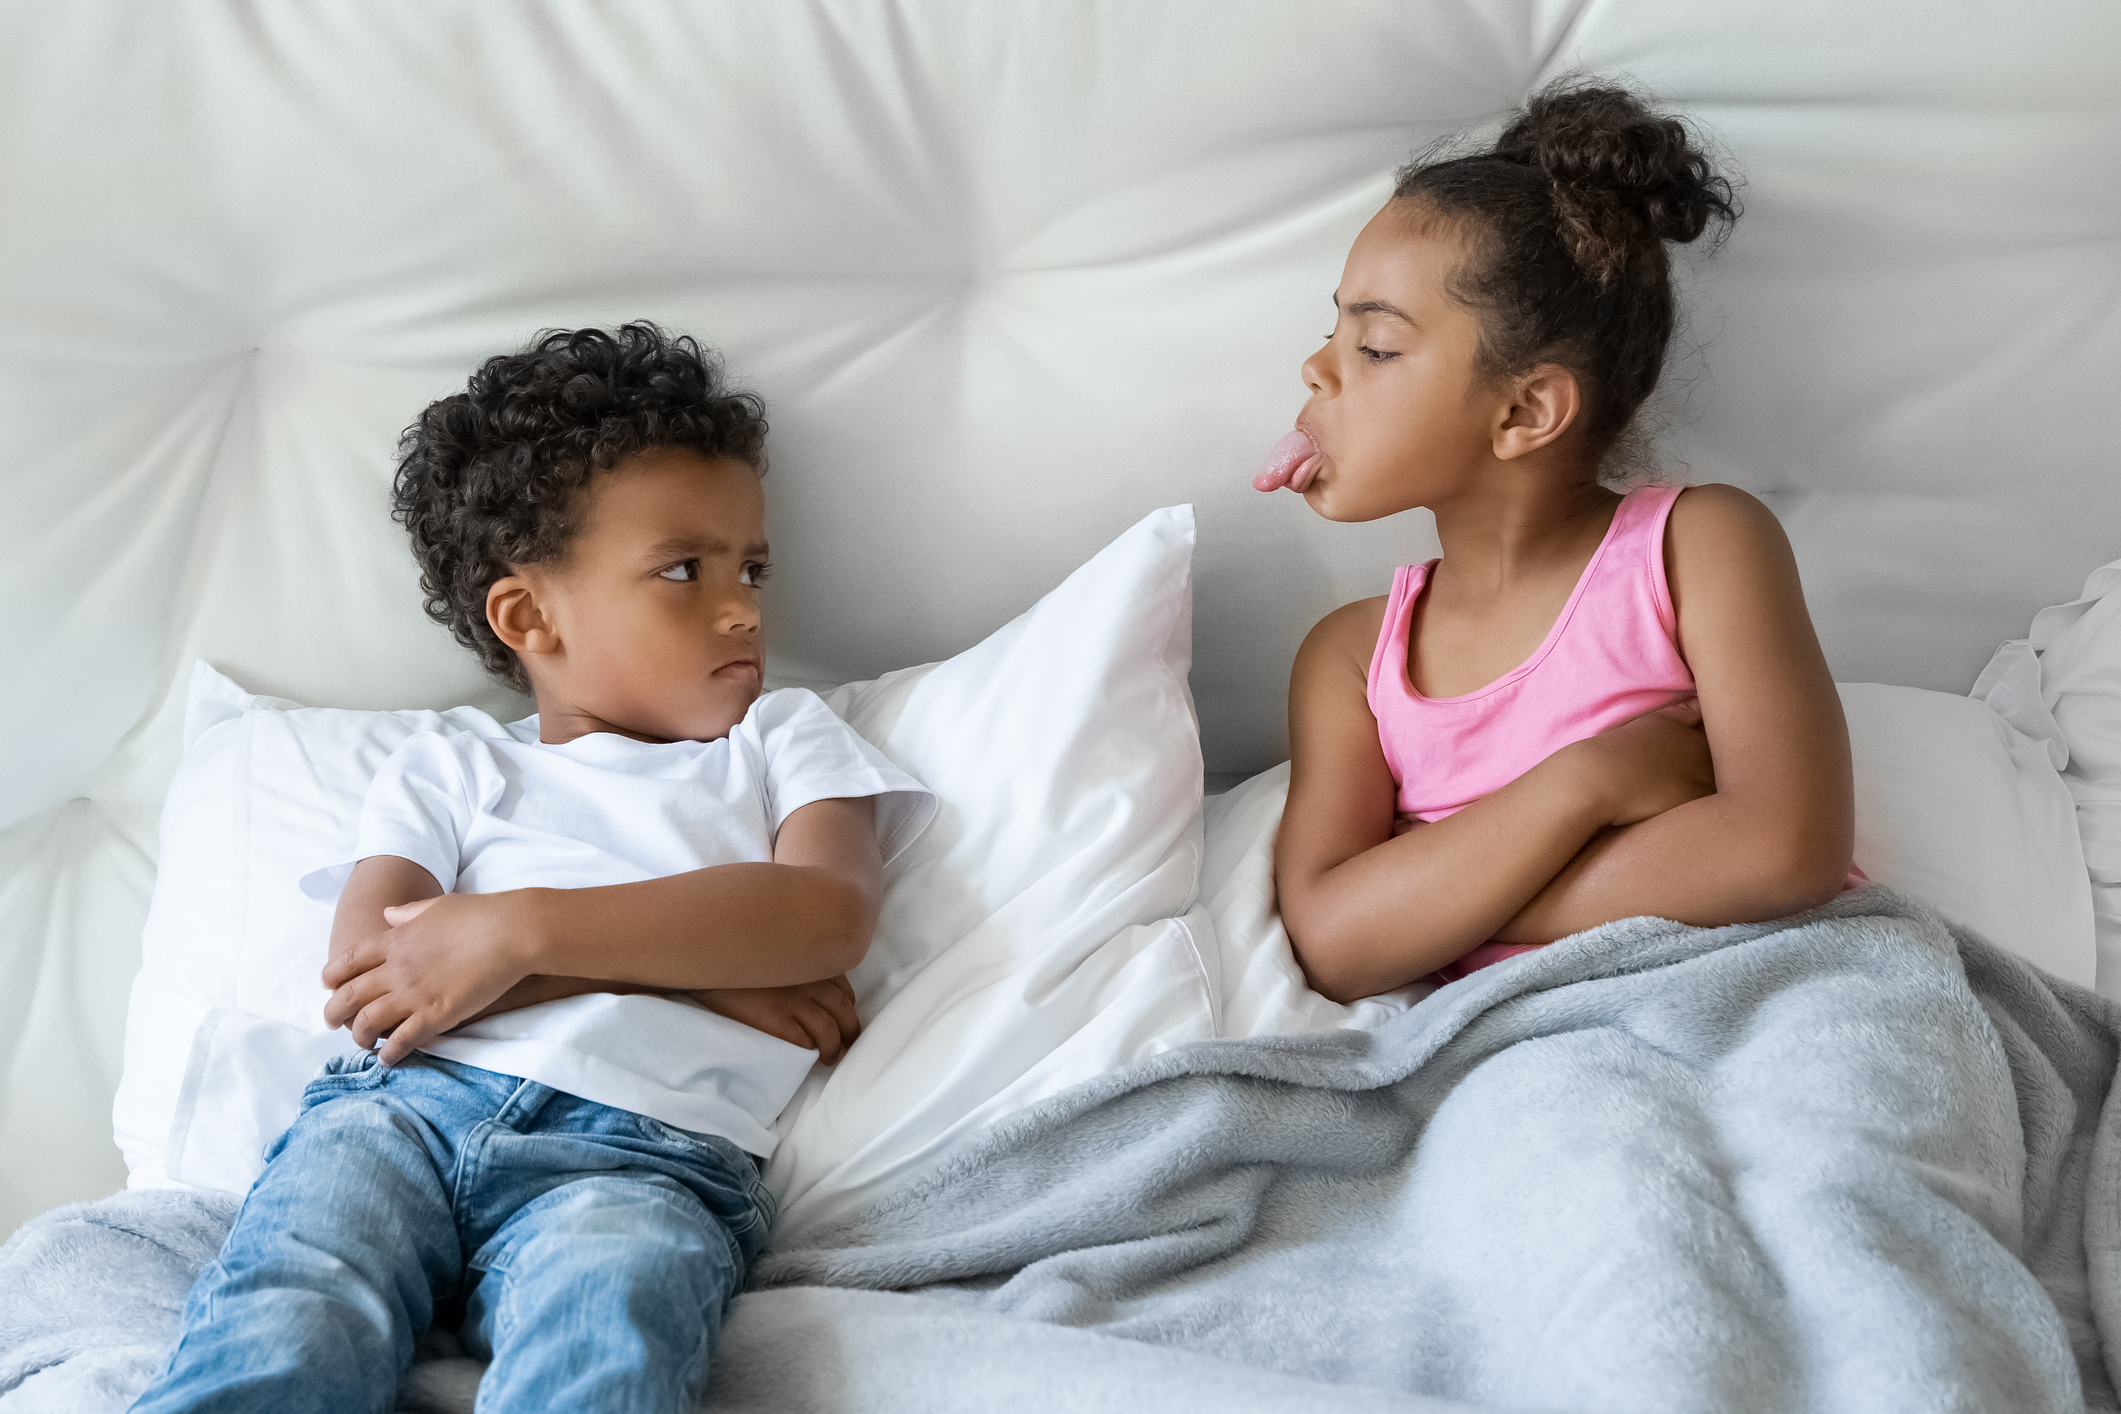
x: 1775, y: 836
x: 804, y: 917
x: 378, y: 882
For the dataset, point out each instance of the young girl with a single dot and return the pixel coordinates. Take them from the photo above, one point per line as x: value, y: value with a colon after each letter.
x: 1516, y: 743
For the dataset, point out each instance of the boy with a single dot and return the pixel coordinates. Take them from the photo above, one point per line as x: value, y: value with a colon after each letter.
x: 591, y: 963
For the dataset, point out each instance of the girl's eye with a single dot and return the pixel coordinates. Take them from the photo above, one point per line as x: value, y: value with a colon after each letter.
x: 1375, y: 355
x: 755, y: 573
x: 683, y: 572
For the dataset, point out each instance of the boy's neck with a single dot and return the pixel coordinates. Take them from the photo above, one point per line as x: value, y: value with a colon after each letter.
x: 560, y: 722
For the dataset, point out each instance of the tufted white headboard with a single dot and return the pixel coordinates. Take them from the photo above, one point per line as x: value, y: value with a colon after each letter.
x: 1009, y: 276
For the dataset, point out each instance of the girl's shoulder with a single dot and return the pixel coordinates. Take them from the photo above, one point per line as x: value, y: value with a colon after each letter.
x: 1345, y: 638
x: 1358, y: 623
x: 1722, y: 540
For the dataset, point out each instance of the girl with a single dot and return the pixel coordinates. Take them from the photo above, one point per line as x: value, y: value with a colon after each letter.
x: 1516, y: 743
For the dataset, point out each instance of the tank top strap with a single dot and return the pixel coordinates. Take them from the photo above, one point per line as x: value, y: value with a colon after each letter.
x: 1388, y: 659
x: 1635, y: 549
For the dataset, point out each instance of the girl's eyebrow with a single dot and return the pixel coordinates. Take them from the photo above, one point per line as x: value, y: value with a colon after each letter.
x: 1376, y: 306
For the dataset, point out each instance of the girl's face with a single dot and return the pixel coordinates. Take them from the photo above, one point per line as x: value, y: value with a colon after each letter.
x: 1397, y: 407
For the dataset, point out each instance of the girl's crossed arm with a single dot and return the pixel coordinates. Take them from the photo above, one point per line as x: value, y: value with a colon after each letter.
x: 1634, y: 821
x: 1776, y: 835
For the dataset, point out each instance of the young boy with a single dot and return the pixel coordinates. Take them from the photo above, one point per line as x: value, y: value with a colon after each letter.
x: 591, y: 963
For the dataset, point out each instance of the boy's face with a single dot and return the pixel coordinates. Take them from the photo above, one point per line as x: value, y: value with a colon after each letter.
x: 653, y: 613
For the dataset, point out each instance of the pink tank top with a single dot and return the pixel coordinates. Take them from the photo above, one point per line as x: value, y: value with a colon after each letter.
x: 1612, y: 655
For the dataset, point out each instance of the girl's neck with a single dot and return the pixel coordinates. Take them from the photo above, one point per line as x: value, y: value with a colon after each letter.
x: 1517, y: 525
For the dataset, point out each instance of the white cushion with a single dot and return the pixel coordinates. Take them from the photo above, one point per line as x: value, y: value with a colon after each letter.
x: 267, y: 792
x: 1960, y: 809
x: 1065, y: 753
x: 1042, y: 931
x: 2062, y: 684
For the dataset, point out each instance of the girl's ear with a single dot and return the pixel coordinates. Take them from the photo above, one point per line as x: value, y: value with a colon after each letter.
x: 1545, y: 404
x: 518, y: 619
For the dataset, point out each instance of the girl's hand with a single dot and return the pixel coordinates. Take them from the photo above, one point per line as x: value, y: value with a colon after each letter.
x: 818, y: 1016
x: 1649, y: 765
x: 441, y: 962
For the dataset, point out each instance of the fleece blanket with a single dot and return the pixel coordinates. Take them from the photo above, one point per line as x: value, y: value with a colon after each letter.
x: 1856, y: 1160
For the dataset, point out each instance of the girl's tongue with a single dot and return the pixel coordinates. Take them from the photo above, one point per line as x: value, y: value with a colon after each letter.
x: 1292, y: 463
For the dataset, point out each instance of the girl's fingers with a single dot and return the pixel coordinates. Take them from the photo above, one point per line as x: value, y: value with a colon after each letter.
x: 1687, y: 713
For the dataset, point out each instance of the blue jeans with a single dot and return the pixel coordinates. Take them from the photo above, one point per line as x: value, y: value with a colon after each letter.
x: 592, y: 1253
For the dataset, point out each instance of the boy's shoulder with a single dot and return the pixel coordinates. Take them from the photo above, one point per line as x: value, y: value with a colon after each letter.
x: 789, y: 715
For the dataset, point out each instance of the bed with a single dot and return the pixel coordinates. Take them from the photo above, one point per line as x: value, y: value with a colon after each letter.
x: 1024, y: 288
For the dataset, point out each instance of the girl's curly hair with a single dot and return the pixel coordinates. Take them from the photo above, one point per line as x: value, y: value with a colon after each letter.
x: 1566, y: 220
x: 490, y: 479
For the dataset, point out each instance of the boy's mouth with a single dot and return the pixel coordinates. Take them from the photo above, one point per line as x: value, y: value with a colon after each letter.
x: 744, y: 670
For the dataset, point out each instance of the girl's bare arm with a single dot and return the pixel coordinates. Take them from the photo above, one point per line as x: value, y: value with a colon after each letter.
x: 1776, y: 835
x: 1367, y: 912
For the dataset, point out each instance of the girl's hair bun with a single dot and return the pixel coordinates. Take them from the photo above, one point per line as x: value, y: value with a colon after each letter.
x: 1623, y: 178
x: 1564, y: 222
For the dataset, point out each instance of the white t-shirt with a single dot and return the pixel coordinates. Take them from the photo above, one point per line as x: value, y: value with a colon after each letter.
x: 483, y: 814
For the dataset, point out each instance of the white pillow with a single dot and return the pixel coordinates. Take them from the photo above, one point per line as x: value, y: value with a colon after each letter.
x: 1064, y: 750
x: 1958, y: 808
x: 267, y: 791
x: 1952, y: 806
x: 1042, y: 931
x: 2062, y: 683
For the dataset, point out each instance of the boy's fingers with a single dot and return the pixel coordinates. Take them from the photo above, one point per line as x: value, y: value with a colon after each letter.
x: 376, y: 1020
x: 405, y: 1038
x: 839, y: 1001
x: 824, y: 1029
x: 399, y: 914
x: 346, y: 1001
x: 362, y: 957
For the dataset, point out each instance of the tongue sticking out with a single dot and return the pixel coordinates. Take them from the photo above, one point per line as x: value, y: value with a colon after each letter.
x: 1292, y: 463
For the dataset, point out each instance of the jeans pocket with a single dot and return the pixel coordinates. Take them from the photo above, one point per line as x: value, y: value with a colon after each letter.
x: 725, y: 1163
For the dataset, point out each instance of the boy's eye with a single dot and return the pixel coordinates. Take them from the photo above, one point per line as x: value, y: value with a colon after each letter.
x: 755, y: 573
x: 683, y: 572
x: 1375, y: 355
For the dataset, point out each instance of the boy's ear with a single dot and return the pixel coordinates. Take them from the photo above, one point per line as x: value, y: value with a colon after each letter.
x: 518, y: 619
x: 1544, y: 404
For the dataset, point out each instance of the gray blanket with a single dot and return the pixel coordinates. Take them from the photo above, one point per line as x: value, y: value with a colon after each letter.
x: 1854, y: 1161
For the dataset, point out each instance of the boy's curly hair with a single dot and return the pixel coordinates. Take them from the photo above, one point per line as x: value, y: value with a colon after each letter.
x: 490, y: 479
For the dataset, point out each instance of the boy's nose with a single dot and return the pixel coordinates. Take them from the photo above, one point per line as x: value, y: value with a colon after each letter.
x: 739, y: 613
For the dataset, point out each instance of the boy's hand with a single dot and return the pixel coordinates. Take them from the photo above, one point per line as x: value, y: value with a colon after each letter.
x: 817, y: 1016
x: 441, y: 962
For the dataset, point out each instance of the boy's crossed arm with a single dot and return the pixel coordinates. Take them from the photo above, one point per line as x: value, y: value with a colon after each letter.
x: 765, y: 944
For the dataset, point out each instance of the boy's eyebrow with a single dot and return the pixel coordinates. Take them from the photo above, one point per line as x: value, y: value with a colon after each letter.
x: 680, y: 545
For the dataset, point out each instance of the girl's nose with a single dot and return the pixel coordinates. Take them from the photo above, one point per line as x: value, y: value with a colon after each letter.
x: 1316, y: 371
